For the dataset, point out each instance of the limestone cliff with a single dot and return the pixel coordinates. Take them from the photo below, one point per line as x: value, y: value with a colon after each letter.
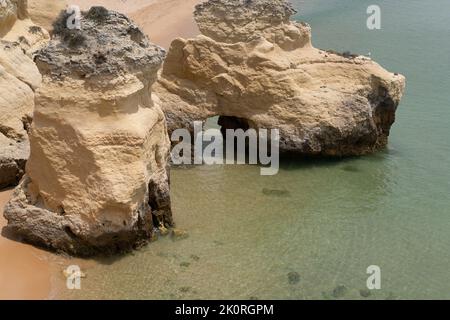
x: 97, y: 179
x: 253, y: 64
x: 45, y: 12
x: 19, y: 78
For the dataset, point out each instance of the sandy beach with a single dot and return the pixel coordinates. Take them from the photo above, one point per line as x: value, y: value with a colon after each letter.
x: 161, y: 20
x: 25, y: 271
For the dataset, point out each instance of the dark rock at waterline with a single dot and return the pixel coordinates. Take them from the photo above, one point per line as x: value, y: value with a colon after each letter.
x: 51, y: 231
x: 293, y: 277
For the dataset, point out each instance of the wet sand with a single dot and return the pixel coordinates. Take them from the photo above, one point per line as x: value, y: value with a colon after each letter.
x: 24, y: 270
x: 29, y: 273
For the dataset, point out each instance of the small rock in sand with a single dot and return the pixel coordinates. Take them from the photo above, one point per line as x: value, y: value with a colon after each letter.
x: 178, y: 234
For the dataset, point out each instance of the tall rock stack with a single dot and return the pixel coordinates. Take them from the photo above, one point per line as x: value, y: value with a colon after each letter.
x: 254, y: 67
x: 97, y: 178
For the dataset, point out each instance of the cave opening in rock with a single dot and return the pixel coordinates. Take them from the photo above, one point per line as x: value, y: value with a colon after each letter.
x: 224, y: 123
x: 234, y: 123
x: 220, y: 140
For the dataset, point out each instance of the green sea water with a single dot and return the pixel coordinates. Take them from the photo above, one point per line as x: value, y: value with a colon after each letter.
x: 327, y: 221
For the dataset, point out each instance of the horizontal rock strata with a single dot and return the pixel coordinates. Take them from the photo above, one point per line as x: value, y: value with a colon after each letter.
x: 19, y: 78
x: 97, y: 179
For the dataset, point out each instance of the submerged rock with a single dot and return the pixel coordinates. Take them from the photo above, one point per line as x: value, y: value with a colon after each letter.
x: 252, y: 63
x: 339, y: 291
x: 185, y: 289
x: 365, y: 293
x: 276, y: 192
x: 195, y: 257
x: 293, y: 277
x: 97, y: 178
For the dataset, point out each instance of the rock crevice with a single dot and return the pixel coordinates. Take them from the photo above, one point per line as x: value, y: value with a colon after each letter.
x: 19, y: 79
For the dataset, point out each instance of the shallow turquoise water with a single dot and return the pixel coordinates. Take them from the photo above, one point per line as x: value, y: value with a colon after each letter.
x: 331, y: 219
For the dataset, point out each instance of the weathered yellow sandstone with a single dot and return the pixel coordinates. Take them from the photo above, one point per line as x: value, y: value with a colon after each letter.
x: 97, y: 178
x: 19, y: 78
x: 253, y: 65
x: 16, y: 26
x: 45, y: 12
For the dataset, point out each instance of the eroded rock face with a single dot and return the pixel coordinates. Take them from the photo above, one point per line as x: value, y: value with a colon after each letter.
x: 97, y: 178
x: 45, y: 12
x: 19, y: 78
x: 252, y: 63
x: 16, y: 26
x: 244, y: 21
